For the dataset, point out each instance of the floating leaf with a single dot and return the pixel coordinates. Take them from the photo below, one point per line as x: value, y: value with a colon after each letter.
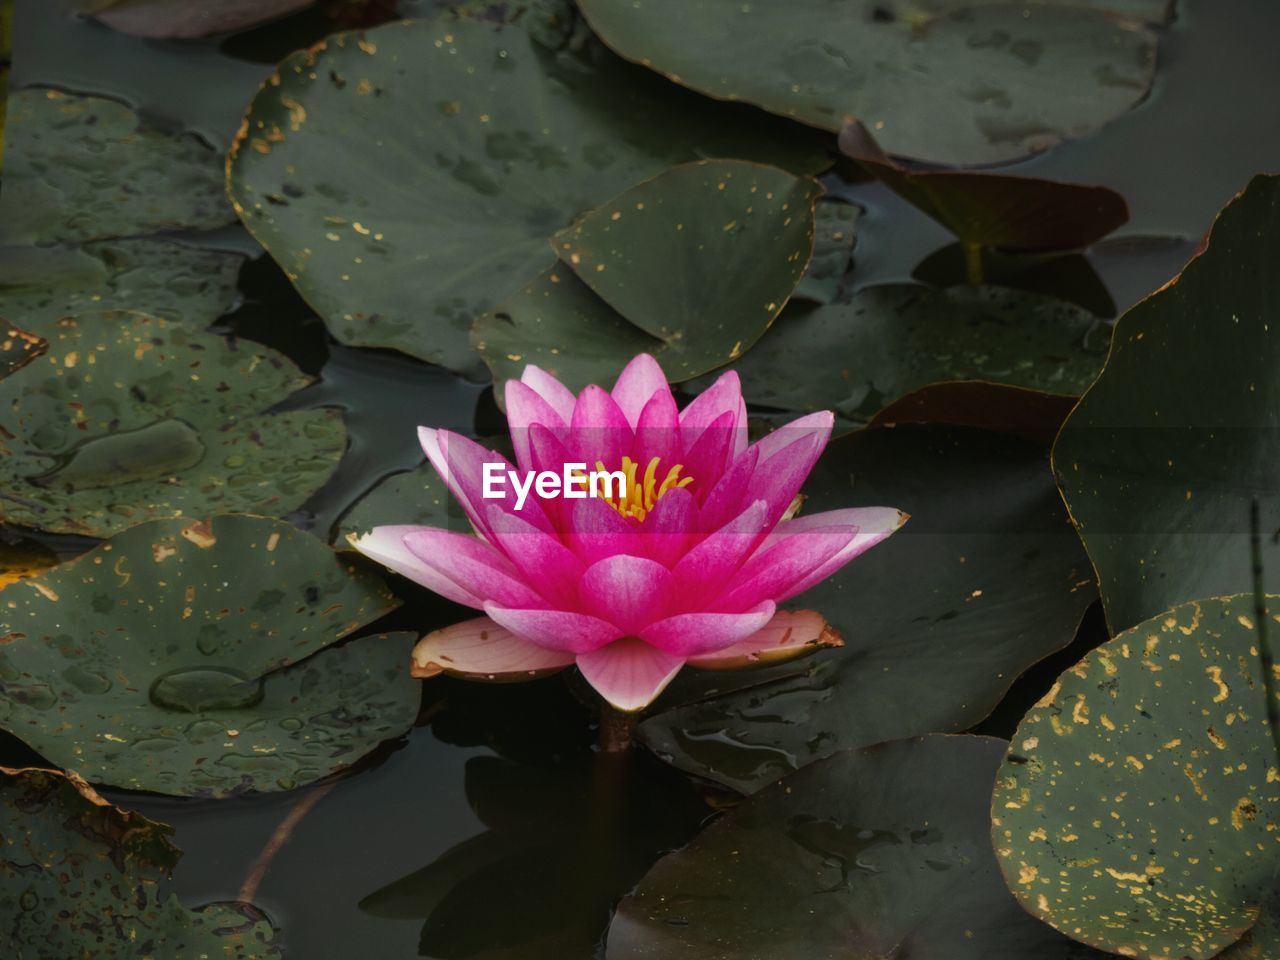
x: 679, y: 254
x: 947, y: 80
x: 995, y: 209
x: 81, y: 878
x: 128, y: 178
x: 130, y: 417
x: 402, y: 242
x: 835, y: 235
x: 857, y: 357
x: 986, y: 579
x: 415, y: 496
x: 1135, y: 810
x: 875, y: 853
x: 44, y: 284
x: 975, y: 403
x: 18, y: 348
x: 21, y: 558
x: 1263, y: 939
x: 195, y: 658
x: 187, y: 19
x: 1161, y: 459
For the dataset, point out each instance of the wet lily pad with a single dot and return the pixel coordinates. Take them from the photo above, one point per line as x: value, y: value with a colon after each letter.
x: 994, y: 209
x: 371, y: 237
x: 81, y: 878
x: 835, y: 236
x: 874, y: 853
x: 197, y: 659
x: 705, y: 253
x: 975, y: 403
x: 986, y: 579
x: 187, y: 19
x: 18, y: 348
x: 1160, y: 461
x: 131, y: 417
x: 857, y: 357
x: 180, y: 283
x: 415, y: 496
x: 954, y: 81
x: 1135, y: 810
x: 128, y: 178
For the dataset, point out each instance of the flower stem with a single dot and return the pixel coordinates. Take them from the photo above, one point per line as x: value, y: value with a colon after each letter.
x: 973, y: 264
x: 616, y: 729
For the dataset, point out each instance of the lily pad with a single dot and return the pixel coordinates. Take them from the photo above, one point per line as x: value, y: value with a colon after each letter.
x: 18, y: 348
x: 995, y: 209
x: 1135, y: 810
x: 21, y: 557
x: 128, y: 178
x: 81, y: 878
x: 857, y: 357
x: 955, y: 81
x: 446, y: 213
x: 131, y: 417
x: 1160, y: 461
x: 187, y: 19
x: 196, y: 659
x: 874, y: 853
x: 986, y: 579
x: 41, y: 285
x: 975, y: 403
x: 835, y: 236
x: 415, y: 496
x: 705, y: 253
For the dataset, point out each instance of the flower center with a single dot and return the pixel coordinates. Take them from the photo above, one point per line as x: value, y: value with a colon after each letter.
x: 640, y: 493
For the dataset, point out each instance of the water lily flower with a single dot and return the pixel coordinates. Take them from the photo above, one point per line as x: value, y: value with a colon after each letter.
x: 681, y: 560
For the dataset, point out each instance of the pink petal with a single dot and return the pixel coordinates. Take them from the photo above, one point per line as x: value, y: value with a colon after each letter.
x: 692, y: 634
x: 817, y: 425
x: 386, y: 546
x: 555, y: 393
x: 711, y: 453
x: 540, y: 557
x: 705, y: 569
x: 658, y: 433
x: 805, y: 551
x: 473, y: 565
x: 629, y: 592
x: 479, y: 649
x: 723, y: 396
x: 525, y: 407
x: 460, y: 463
x: 728, y: 497
x: 778, y: 479
x: 600, y: 430
x: 788, y: 635
x: 670, y: 527
x: 596, y: 530
x: 639, y: 382
x: 555, y: 629
x: 629, y: 673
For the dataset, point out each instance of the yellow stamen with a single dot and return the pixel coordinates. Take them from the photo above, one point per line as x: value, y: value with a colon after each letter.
x: 641, y: 495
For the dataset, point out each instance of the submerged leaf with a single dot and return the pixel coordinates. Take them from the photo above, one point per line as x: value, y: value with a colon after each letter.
x: 196, y: 659
x: 188, y: 19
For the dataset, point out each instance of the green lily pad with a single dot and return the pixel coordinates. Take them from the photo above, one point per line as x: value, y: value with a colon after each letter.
x: 131, y: 417
x: 705, y: 253
x: 44, y: 284
x: 835, y: 236
x: 81, y: 878
x: 986, y: 579
x: 995, y: 209
x: 447, y: 211
x: 1263, y: 939
x: 18, y: 348
x: 1135, y: 810
x: 197, y: 659
x: 874, y: 853
x: 954, y: 81
x: 1161, y: 459
x: 415, y: 496
x: 187, y: 19
x: 857, y: 357
x: 127, y: 178
x: 975, y: 403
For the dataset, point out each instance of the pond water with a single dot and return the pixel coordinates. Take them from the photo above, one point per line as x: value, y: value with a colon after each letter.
x: 494, y: 830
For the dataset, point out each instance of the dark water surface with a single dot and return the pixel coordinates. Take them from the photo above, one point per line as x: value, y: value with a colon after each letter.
x: 494, y: 831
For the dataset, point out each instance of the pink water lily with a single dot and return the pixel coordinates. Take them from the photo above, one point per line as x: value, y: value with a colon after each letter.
x: 683, y: 561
